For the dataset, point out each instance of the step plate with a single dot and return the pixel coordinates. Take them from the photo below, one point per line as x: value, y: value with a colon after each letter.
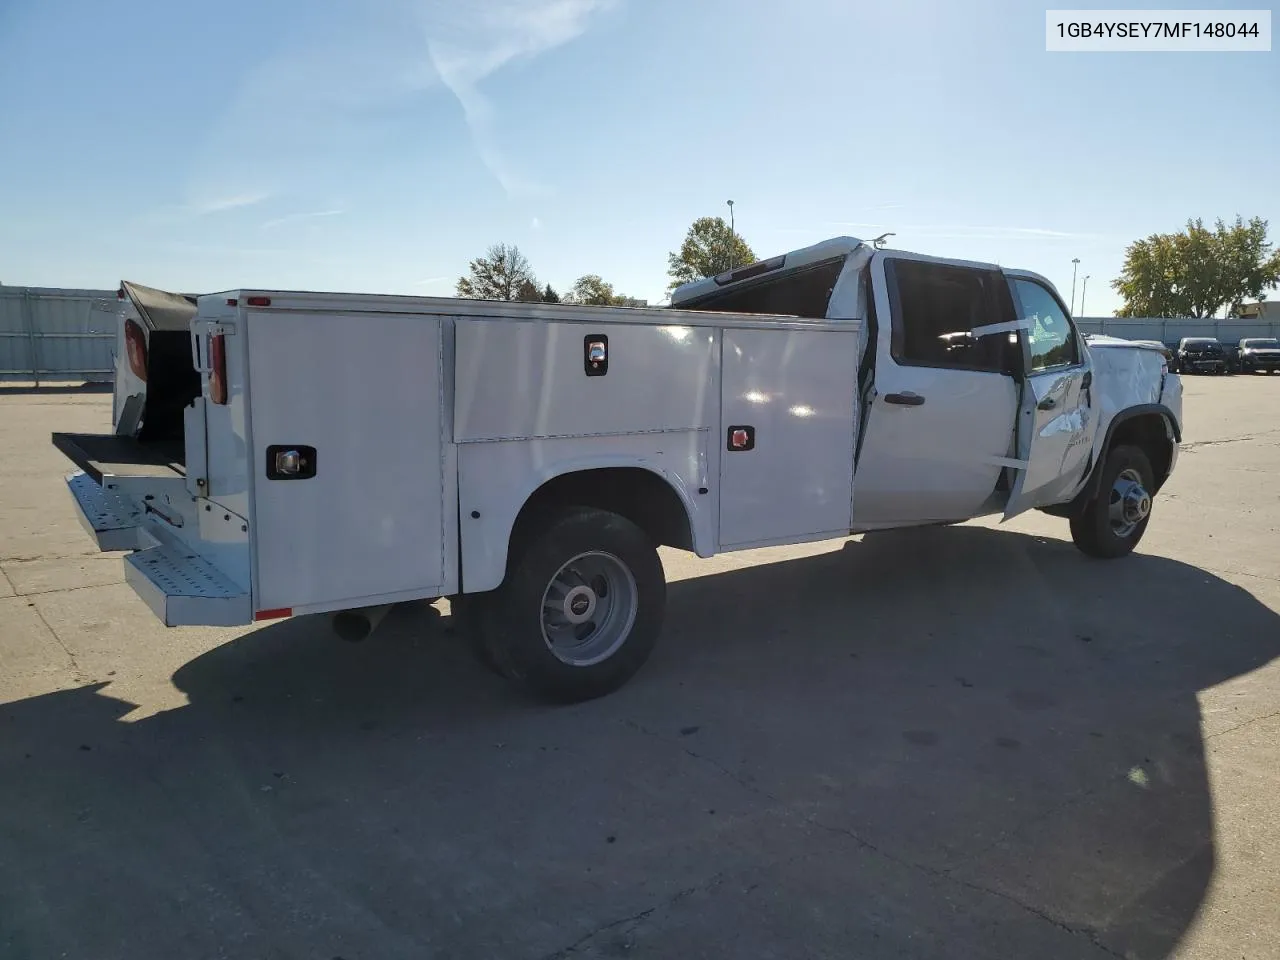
x: 112, y: 520
x: 184, y: 589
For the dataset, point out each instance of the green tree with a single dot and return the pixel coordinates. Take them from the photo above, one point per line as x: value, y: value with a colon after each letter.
x: 709, y: 248
x: 592, y: 290
x: 1197, y: 272
x: 528, y: 292
x: 549, y: 295
x: 503, y: 273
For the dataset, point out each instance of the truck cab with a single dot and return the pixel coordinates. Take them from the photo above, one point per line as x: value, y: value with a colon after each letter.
x: 978, y: 394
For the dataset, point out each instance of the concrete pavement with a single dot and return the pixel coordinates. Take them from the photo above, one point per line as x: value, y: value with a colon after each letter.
x: 961, y: 742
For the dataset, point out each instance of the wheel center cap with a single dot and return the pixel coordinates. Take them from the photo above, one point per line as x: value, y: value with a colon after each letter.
x: 579, y: 604
x: 1137, y: 504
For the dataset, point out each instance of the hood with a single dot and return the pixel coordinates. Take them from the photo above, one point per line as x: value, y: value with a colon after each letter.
x: 1107, y: 342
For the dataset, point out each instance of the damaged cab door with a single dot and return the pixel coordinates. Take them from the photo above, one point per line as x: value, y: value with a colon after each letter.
x: 1057, y: 416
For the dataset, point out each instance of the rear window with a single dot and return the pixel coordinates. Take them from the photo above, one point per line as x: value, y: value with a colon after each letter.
x: 1264, y: 344
x: 798, y: 293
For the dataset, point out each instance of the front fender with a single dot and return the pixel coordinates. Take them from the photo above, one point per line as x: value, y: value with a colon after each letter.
x: 1094, y: 479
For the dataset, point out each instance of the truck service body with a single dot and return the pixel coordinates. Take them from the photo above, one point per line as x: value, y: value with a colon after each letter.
x: 280, y: 453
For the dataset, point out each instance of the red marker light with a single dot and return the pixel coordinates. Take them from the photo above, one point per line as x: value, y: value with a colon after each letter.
x: 218, y: 369
x: 258, y: 301
x: 135, y: 342
x: 274, y: 614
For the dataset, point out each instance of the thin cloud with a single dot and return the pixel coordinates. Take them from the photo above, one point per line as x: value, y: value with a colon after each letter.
x: 493, y: 36
x: 535, y: 223
x: 296, y: 217
x: 430, y: 281
x: 231, y: 202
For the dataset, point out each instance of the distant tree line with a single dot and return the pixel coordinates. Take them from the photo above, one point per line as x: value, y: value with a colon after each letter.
x: 1194, y: 273
x: 504, y: 273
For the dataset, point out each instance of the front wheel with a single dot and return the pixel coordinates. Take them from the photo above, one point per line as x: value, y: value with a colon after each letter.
x: 580, y: 609
x: 1114, y: 521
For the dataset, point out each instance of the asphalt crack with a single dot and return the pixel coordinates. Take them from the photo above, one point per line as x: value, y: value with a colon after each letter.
x: 639, y: 916
x: 77, y: 673
x: 736, y: 778
x: 946, y: 875
x: 1195, y: 445
x: 1242, y: 725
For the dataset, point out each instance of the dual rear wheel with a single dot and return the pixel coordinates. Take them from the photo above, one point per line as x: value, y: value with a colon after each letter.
x: 579, y: 611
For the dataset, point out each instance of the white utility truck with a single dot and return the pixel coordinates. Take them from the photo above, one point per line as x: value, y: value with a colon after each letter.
x: 278, y: 453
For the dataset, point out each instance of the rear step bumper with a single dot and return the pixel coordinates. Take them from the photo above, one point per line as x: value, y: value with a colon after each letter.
x: 183, y: 588
x: 112, y: 520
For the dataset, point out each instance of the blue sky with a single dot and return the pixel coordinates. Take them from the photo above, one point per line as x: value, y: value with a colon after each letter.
x: 379, y: 145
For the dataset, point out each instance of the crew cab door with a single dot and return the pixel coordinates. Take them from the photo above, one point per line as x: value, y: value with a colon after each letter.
x: 1057, y: 419
x: 939, y: 431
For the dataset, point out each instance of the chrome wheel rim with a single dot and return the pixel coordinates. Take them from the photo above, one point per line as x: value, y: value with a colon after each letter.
x: 589, y: 608
x: 1129, y: 503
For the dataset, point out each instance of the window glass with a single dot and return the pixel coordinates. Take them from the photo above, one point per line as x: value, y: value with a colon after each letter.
x: 937, y: 308
x: 800, y: 293
x: 1053, y: 339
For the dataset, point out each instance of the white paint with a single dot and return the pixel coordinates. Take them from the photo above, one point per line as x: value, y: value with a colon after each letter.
x: 940, y: 460
x: 797, y: 389
x: 435, y: 420
x: 364, y: 390
x: 518, y: 379
x: 496, y: 479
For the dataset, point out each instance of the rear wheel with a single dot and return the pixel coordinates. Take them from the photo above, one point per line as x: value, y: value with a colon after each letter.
x: 1113, y: 522
x: 580, y: 609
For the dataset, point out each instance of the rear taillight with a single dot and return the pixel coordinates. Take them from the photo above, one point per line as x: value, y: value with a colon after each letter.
x: 217, y: 369
x: 135, y: 342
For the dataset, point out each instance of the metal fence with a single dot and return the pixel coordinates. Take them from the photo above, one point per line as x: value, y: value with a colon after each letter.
x: 1172, y: 329
x: 52, y: 334
x: 49, y: 334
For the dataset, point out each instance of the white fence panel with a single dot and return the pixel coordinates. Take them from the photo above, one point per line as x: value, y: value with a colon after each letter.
x: 1172, y: 329
x: 53, y: 334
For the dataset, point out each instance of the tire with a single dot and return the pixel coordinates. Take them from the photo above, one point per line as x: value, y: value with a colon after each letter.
x: 600, y: 566
x: 1094, y: 530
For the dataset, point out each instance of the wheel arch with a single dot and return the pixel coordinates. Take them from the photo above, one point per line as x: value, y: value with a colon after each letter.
x: 653, y: 498
x: 1150, y: 426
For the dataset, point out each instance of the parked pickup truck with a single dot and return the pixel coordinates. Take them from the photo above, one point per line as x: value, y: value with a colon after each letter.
x: 1200, y: 355
x: 276, y: 453
x: 1259, y: 353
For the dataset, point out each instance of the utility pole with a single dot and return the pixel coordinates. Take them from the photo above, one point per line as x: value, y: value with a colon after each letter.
x: 1075, y: 262
x: 1084, y: 287
x: 732, y: 251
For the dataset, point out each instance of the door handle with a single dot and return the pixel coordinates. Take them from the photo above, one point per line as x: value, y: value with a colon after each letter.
x: 907, y: 399
x: 1048, y: 403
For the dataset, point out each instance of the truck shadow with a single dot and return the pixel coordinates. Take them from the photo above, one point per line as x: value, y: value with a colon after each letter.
x: 953, y: 742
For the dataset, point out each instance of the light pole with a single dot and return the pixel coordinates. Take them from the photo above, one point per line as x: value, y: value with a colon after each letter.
x: 1084, y: 287
x: 731, y: 244
x: 1075, y: 262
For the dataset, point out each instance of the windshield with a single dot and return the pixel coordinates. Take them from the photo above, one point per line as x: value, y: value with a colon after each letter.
x: 1264, y: 344
x: 1200, y: 344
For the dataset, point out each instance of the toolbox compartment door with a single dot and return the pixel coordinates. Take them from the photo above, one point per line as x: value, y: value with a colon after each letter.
x: 358, y: 397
